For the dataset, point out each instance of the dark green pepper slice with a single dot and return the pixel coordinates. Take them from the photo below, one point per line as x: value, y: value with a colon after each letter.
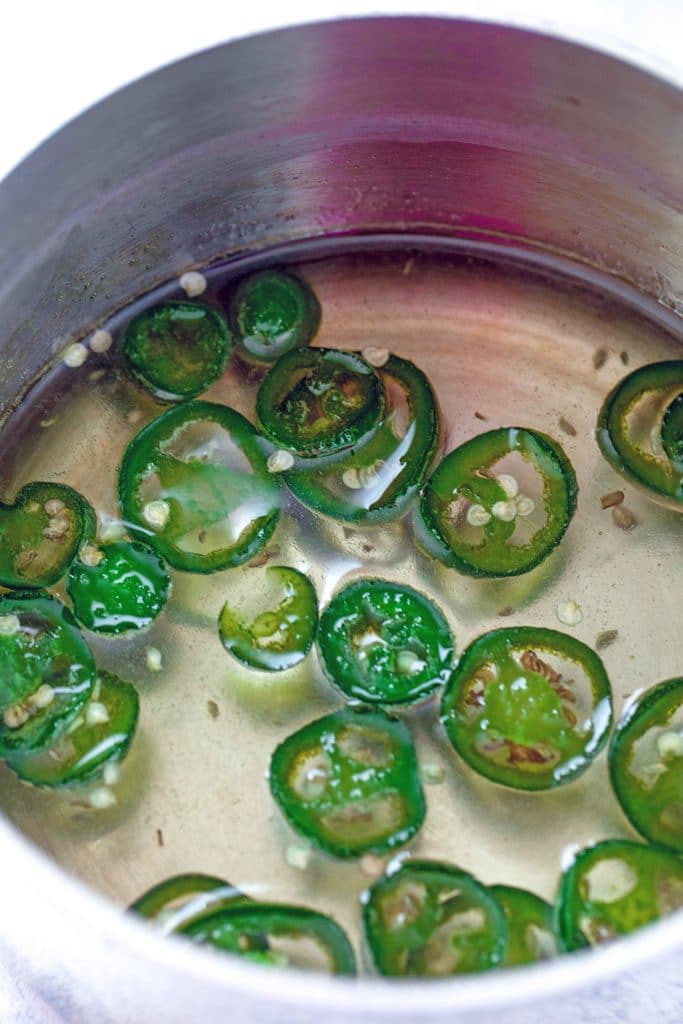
x: 319, y: 401
x: 531, y: 926
x: 613, y: 888
x: 118, y: 587
x: 384, y: 643
x: 274, y: 626
x: 177, y: 350
x: 195, y: 484
x: 432, y: 920
x: 350, y: 783
x: 99, y: 736
x: 310, y: 941
x: 499, y: 504
x: 272, y: 312
x: 183, y: 898
x: 528, y: 708
x: 377, y: 482
x: 639, y: 429
x: 41, y: 534
x: 646, y: 764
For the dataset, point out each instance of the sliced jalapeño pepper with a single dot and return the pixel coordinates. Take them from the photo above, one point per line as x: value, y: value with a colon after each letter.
x: 177, y: 350
x: 349, y: 782
x: 319, y: 401
x: 379, y: 479
x: 646, y: 764
x: 432, y: 920
x: 183, y: 898
x: 273, y: 626
x: 499, y: 504
x: 195, y: 484
x: 640, y: 429
x: 614, y: 887
x: 528, y: 708
x: 531, y: 926
x: 41, y: 534
x: 385, y: 643
x: 271, y: 312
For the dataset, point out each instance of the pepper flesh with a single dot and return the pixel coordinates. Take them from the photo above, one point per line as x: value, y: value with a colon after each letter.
x: 272, y: 312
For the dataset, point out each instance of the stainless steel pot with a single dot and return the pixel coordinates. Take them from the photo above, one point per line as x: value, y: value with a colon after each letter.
x: 497, y: 137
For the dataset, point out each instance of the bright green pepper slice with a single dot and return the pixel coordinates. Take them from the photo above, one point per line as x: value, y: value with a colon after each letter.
x: 280, y: 632
x: 177, y: 350
x: 272, y: 312
x: 615, y: 887
x: 515, y: 715
x: 41, y: 534
x: 646, y: 764
x: 432, y: 920
x: 195, y: 484
x: 121, y: 587
x: 183, y: 898
x: 349, y: 782
x: 639, y: 429
x: 378, y: 481
x: 319, y: 401
x: 99, y: 736
x: 499, y: 504
x: 531, y: 926
x: 384, y: 643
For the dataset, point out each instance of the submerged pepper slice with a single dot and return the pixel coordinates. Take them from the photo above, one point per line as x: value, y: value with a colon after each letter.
x: 432, y: 920
x: 178, y: 900
x: 272, y: 312
x: 349, y: 782
x: 531, y: 926
x: 195, y: 484
x: 384, y: 643
x: 646, y: 764
x: 177, y: 350
x: 528, y: 708
x: 499, y: 504
x: 615, y: 887
x: 319, y: 401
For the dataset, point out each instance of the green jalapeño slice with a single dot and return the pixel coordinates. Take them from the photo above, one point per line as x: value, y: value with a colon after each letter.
x: 318, y: 401
x: 41, y: 534
x: 294, y: 936
x: 349, y: 782
x: 384, y: 643
x: 613, y: 888
x: 176, y: 901
x: 195, y: 484
x: 273, y: 626
x: 177, y: 350
x: 528, y: 708
x: 531, y: 926
x: 272, y: 312
x: 499, y: 504
x: 379, y: 479
x: 118, y: 587
x: 433, y: 920
x: 99, y: 736
x: 646, y: 764
x: 640, y: 429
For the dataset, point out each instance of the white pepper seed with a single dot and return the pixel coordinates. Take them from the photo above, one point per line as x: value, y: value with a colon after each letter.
x: 505, y: 511
x: 9, y: 625
x: 432, y: 774
x: 569, y: 613
x: 376, y: 356
x: 156, y: 513
x: 670, y: 745
x: 100, y: 341
x: 298, y: 856
x: 111, y: 773
x: 280, y: 461
x: 193, y: 283
x: 54, y: 506
x: 477, y: 515
x: 525, y: 505
x: 351, y: 479
x: 102, y: 798
x: 75, y: 355
x: 509, y: 484
x: 153, y: 659
x: 96, y: 713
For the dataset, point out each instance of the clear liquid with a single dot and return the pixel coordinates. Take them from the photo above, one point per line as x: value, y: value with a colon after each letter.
x: 501, y: 347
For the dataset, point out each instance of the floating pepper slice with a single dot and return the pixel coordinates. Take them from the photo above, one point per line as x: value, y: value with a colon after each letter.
x: 177, y: 350
x: 384, y: 643
x: 319, y: 401
x: 195, y: 484
x: 499, y: 504
x: 646, y: 764
x: 615, y: 887
x: 99, y: 736
x: 640, y: 429
x: 272, y: 312
x: 433, y: 920
x: 178, y: 900
x: 531, y: 926
x: 528, y: 708
x: 349, y: 782
x: 378, y: 481
x: 274, y: 626
x: 41, y: 534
